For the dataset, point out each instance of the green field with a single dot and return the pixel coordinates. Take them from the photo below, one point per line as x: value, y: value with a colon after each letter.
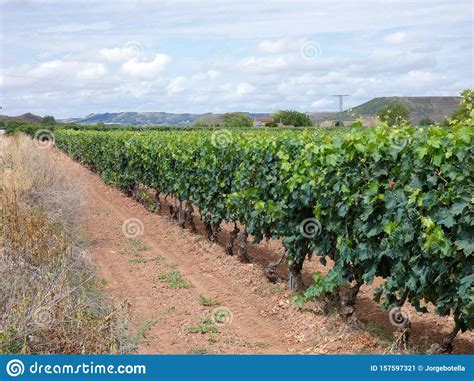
x: 389, y: 203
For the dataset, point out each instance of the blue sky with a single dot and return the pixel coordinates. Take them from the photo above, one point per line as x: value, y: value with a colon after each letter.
x: 73, y: 58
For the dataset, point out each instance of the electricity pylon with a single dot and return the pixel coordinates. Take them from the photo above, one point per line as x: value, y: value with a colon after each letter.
x: 340, y: 96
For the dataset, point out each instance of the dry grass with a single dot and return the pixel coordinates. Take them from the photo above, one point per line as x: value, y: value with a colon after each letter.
x: 49, y: 299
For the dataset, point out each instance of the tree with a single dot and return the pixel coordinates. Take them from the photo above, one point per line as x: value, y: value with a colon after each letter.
x: 426, y: 122
x: 271, y: 124
x: 394, y: 114
x: 15, y: 123
x: 209, y: 120
x: 48, y: 120
x: 292, y: 118
x: 237, y: 119
x: 465, y: 107
x: 200, y: 123
x: 464, y: 112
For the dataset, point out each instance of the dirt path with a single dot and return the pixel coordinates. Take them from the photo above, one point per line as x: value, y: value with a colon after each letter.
x: 259, y: 316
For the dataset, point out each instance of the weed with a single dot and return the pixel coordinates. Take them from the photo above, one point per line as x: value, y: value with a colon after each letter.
x: 200, y: 351
x: 382, y: 334
x: 168, y: 311
x: 236, y: 341
x: 174, y: 280
x: 231, y: 341
x: 143, y: 331
x: 138, y: 245
x: 208, y: 302
x: 137, y: 261
x: 50, y: 298
x: 205, y: 326
x: 146, y: 199
x: 171, y: 266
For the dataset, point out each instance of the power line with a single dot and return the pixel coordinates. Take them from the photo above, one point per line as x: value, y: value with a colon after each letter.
x: 341, y: 97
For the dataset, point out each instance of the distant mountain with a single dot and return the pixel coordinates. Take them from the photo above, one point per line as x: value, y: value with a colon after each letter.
x: 435, y: 108
x: 145, y: 118
x: 140, y: 118
x: 28, y: 117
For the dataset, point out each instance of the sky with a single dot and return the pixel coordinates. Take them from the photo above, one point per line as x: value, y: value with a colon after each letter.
x: 73, y: 58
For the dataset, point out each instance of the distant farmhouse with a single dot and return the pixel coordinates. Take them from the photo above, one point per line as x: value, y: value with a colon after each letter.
x: 262, y: 121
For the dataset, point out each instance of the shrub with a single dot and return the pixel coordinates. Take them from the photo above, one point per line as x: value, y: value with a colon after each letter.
x: 394, y: 114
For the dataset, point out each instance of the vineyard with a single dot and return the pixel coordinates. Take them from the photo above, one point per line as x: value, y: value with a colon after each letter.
x: 255, y: 190
x: 388, y: 203
x: 31, y: 129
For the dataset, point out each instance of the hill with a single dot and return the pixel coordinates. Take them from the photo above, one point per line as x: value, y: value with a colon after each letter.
x: 28, y: 117
x: 146, y: 118
x: 139, y: 118
x: 435, y: 108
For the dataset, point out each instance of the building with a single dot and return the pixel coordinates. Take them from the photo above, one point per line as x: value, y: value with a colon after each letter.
x: 262, y: 121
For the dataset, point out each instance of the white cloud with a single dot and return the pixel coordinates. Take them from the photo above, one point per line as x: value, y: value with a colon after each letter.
x: 77, y: 27
x: 45, y: 69
x: 396, y: 38
x: 419, y: 75
x: 283, y: 45
x: 112, y: 55
x: 209, y: 75
x: 263, y: 64
x: 244, y: 88
x: 64, y: 70
x: 146, y: 69
x: 239, y: 55
x: 177, y: 85
x: 91, y: 71
x: 322, y: 104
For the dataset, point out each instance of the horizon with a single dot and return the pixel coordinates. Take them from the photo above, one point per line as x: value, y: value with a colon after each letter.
x: 212, y: 57
x: 232, y: 111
